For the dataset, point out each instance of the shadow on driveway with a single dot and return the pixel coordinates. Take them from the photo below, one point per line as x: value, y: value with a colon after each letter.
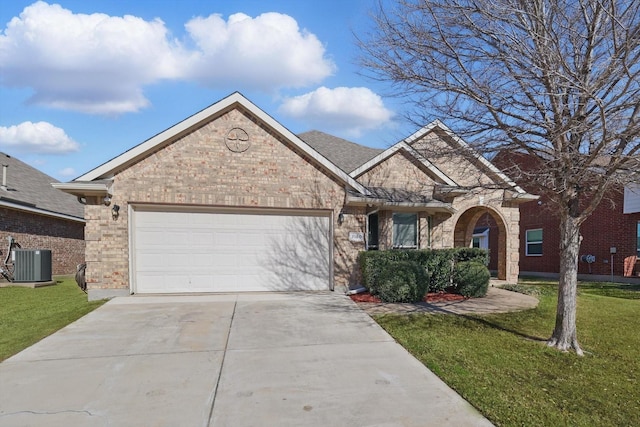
x: 263, y: 359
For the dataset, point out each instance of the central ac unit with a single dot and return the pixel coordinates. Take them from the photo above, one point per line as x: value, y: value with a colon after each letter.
x: 32, y: 265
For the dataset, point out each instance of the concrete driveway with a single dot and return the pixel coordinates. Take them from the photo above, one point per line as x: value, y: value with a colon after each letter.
x: 268, y: 359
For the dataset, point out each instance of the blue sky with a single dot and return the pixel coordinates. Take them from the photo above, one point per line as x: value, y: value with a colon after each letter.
x: 83, y: 81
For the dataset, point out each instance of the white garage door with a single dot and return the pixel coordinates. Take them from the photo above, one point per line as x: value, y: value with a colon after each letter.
x: 177, y: 252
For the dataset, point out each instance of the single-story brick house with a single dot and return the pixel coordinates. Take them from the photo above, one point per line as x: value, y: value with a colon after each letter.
x: 610, y: 236
x: 38, y: 216
x: 230, y: 200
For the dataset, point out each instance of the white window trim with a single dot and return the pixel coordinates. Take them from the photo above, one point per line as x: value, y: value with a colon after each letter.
x: 637, y: 238
x: 485, y: 235
x: 417, y: 225
x: 527, y: 242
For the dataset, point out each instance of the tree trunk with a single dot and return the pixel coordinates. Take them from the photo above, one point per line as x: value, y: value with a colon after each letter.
x: 565, y: 335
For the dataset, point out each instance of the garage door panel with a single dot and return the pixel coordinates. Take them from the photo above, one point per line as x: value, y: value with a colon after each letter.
x: 229, y: 252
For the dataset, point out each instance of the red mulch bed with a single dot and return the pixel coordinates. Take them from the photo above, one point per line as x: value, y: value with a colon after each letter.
x: 430, y: 297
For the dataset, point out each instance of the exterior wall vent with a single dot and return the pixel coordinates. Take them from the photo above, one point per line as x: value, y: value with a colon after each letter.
x: 32, y: 265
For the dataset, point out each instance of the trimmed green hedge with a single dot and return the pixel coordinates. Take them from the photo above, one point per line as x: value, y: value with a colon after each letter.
x: 401, y: 281
x: 438, y: 263
x: 471, y: 279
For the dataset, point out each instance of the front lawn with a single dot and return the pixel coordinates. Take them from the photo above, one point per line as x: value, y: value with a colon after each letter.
x: 501, y: 365
x: 28, y: 315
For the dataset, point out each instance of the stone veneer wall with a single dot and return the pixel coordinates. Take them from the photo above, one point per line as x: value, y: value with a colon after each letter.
x: 64, y: 238
x: 200, y: 170
x: 480, y: 202
x: 400, y: 171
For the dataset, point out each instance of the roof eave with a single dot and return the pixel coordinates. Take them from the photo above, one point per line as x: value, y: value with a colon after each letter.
x: 449, y: 191
x: 126, y: 159
x: 402, y: 145
x: 38, y: 211
x: 83, y: 189
x: 483, y: 160
x: 433, y: 206
x: 517, y: 197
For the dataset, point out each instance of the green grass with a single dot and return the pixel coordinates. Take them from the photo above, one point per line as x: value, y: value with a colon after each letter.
x: 28, y: 315
x: 501, y: 365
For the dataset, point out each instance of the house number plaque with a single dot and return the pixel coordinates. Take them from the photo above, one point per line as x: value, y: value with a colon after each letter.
x: 237, y: 140
x: 355, y: 236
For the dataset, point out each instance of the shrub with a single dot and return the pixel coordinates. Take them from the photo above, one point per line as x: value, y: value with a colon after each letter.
x: 373, y: 263
x: 401, y: 281
x: 439, y: 264
x: 440, y: 268
x: 471, y: 279
x: 472, y: 254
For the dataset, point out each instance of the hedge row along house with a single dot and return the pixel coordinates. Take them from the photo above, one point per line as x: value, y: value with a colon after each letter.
x: 230, y: 200
x: 38, y: 216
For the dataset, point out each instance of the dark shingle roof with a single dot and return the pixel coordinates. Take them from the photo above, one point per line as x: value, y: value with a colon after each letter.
x: 347, y: 155
x: 30, y: 187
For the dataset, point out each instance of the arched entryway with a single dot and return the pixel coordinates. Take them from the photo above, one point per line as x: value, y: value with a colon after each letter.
x: 476, y: 222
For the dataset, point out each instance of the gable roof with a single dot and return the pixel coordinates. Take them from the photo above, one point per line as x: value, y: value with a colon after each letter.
x: 30, y: 190
x: 405, y: 144
x: 233, y: 101
x: 463, y: 145
x: 345, y: 154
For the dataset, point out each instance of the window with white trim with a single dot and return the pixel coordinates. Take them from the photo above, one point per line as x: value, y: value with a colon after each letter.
x: 405, y: 231
x: 534, y: 242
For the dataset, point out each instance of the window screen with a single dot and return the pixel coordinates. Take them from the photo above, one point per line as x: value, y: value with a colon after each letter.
x: 405, y: 230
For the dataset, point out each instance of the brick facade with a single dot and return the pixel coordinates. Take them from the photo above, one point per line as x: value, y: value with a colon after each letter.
x: 197, y: 169
x: 607, y: 227
x: 64, y: 238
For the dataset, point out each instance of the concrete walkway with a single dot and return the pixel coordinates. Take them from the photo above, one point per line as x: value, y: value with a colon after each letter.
x: 298, y: 359
x: 497, y: 301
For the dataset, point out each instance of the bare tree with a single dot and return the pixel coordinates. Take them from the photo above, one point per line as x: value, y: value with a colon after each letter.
x: 558, y: 80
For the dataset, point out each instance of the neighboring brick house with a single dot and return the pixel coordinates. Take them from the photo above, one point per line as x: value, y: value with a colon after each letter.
x: 38, y: 216
x: 613, y: 227
x: 230, y: 200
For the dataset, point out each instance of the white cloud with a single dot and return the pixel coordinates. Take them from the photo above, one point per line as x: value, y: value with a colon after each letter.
x: 40, y: 137
x: 67, y: 172
x: 99, y: 64
x: 267, y: 52
x: 352, y: 110
x: 89, y: 63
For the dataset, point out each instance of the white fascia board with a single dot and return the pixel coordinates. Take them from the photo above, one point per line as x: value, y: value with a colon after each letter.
x: 34, y: 210
x: 377, y: 159
x: 120, y: 162
x: 405, y: 146
x: 480, y: 157
x: 82, y: 188
x: 433, y: 168
x: 306, y: 148
x: 421, y: 132
x: 106, y: 170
